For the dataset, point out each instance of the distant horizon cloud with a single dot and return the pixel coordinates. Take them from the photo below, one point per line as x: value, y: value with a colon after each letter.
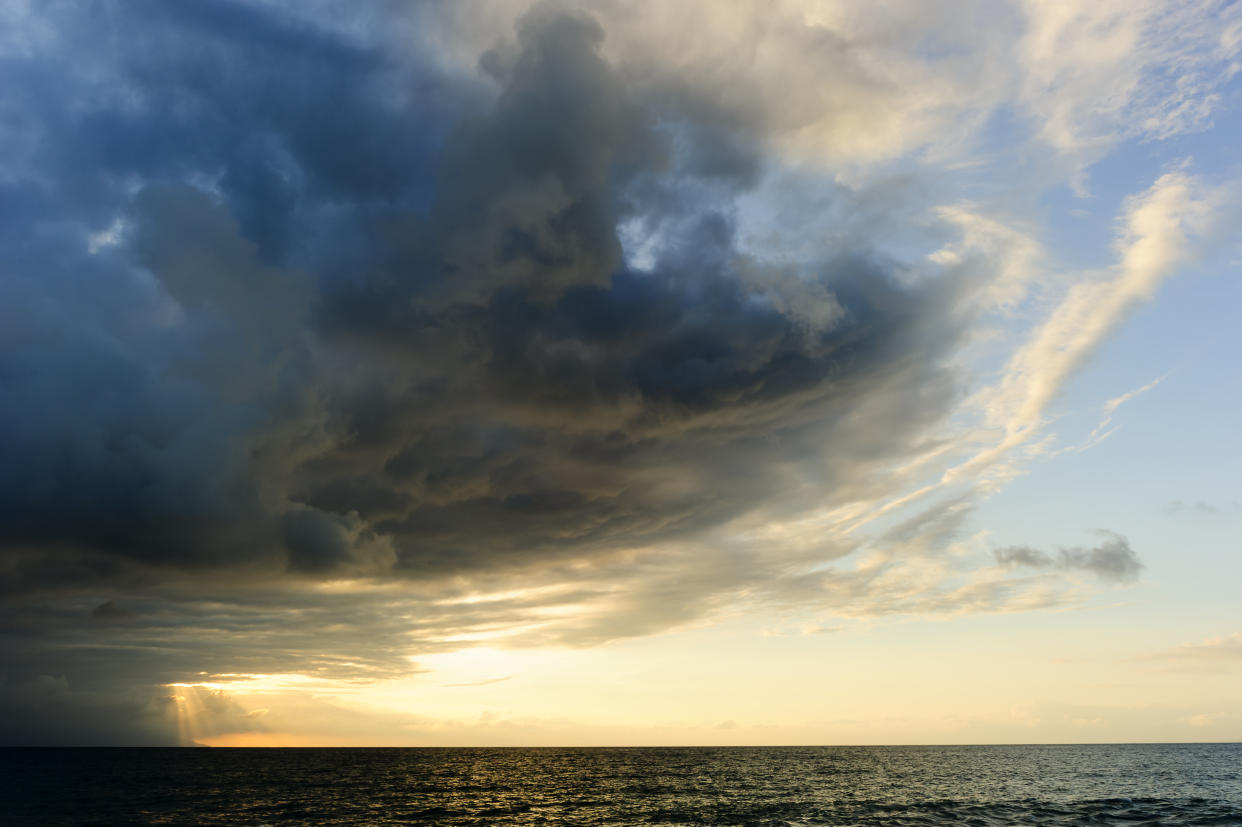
x: 1223, y: 649
x: 1200, y: 507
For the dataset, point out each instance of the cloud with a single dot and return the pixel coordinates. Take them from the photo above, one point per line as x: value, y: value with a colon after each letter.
x: 1201, y: 507
x: 1093, y: 75
x: 47, y: 710
x: 1022, y: 556
x: 1153, y: 242
x: 1219, y: 650
x: 490, y: 384
x: 1102, y: 431
x: 1112, y: 560
x: 485, y: 682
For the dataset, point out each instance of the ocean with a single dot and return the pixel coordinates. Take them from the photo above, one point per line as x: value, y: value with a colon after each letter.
x: 1139, y: 784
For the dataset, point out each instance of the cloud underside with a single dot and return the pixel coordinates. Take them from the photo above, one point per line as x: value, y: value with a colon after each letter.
x: 307, y: 340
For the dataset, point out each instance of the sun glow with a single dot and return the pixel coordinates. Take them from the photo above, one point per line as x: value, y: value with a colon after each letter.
x: 189, y: 703
x: 248, y: 683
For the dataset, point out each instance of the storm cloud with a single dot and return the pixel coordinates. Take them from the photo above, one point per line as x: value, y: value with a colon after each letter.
x: 474, y: 377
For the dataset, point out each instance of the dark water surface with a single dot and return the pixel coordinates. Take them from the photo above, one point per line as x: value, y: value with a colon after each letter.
x: 1153, y: 784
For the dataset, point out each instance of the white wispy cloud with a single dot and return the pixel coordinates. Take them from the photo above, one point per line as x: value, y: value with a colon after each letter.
x: 1095, y: 73
x: 1154, y: 240
x: 1102, y: 430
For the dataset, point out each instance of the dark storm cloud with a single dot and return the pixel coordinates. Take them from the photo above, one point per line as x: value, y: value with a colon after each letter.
x: 279, y: 308
x: 1112, y: 559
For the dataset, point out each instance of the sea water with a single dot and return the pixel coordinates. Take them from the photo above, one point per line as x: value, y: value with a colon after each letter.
x: 1143, y: 784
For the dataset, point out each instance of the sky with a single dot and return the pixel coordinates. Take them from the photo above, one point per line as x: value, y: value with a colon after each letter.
x: 620, y: 373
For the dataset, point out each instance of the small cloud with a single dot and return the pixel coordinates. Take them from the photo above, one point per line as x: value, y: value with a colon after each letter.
x: 1021, y: 556
x: 729, y: 724
x: 1112, y: 560
x: 255, y: 713
x: 1198, y: 507
x: 484, y: 682
x: 1087, y: 722
x: 1105, y: 428
x: 1227, y: 648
